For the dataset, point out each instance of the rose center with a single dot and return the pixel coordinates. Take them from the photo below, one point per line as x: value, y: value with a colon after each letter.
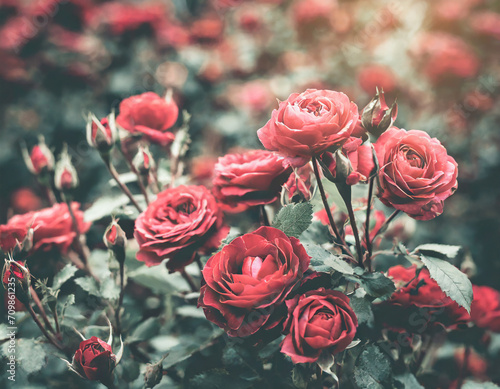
x: 187, y: 208
x: 315, y: 107
x: 251, y: 266
x: 413, y: 158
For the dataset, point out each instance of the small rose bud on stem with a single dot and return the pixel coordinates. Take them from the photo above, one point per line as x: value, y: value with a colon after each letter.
x: 153, y: 373
x: 377, y: 117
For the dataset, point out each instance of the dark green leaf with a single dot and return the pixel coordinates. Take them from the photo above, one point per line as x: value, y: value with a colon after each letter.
x: 146, y: 330
x: 406, y: 381
x: 479, y: 385
x: 294, y: 219
x: 375, y: 284
x: 31, y: 355
x: 89, y: 285
x: 218, y: 379
x: 451, y: 280
x: 362, y: 308
x: 64, y: 275
x: 322, y: 260
x: 438, y: 250
x: 372, y: 369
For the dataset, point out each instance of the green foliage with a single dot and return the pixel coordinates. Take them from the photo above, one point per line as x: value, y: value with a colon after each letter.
x: 441, y: 251
x: 362, y: 307
x: 294, y: 219
x: 63, y: 276
x: 372, y: 369
x: 324, y: 261
x: 451, y: 280
x: 377, y: 285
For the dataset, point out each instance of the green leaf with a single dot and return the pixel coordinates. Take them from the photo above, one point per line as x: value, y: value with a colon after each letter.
x: 362, y: 307
x: 479, y: 385
x: 375, y: 284
x: 294, y: 219
x: 89, y: 285
x: 146, y: 330
x: 451, y: 280
x: 217, y: 379
x: 158, y: 279
x: 64, y: 275
x: 31, y: 355
x: 438, y: 250
x: 322, y: 260
x: 70, y: 300
x: 104, y: 207
x: 406, y: 381
x: 372, y: 369
x: 109, y: 289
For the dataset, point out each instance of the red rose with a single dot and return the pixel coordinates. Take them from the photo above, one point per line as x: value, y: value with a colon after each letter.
x: 178, y: 223
x: 249, y: 179
x: 419, y: 302
x: 485, y: 309
x: 372, y: 77
x: 94, y: 360
x: 248, y: 280
x: 416, y: 173
x: 25, y: 200
x: 486, y: 23
x: 150, y: 115
x: 309, y: 123
x: 360, y: 159
x: 319, y: 320
x: 53, y: 227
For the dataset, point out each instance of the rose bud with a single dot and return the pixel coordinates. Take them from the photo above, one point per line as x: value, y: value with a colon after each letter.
x: 101, y: 134
x: 149, y: 115
x: 416, y: 173
x: 115, y: 240
x: 308, y: 124
x: 247, y: 282
x: 15, y: 272
x: 65, y: 177
x: 320, y: 321
x: 144, y: 162
x: 250, y: 179
x: 153, y: 373
x: 94, y: 360
x: 377, y: 117
x: 40, y: 160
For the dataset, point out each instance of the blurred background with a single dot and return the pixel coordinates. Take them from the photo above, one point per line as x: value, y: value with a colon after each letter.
x: 228, y: 61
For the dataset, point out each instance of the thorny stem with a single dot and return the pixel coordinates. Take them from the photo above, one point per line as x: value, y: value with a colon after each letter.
x: 122, y: 186
x: 120, y: 299
x: 265, y: 218
x: 327, y: 207
x: 44, y: 331
x: 38, y: 303
x: 367, y: 225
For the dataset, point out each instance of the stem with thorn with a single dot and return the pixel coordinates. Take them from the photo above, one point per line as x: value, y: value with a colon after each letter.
x: 44, y: 331
x: 38, y: 303
x: 122, y: 186
x: 367, y: 224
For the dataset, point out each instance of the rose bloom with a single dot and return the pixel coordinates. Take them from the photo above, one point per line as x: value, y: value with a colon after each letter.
x: 150, y: 115
x: 180, y: 222
x: 307, y: 12
x: 246, y: 180
x: 310, y: 123
x: 53, y: 227
x: 419, y: 302
x: 486, y: 23
x: 416, y: 173
x: 320, y: 320
x: 247, y: 281
x: 485, y: 309
x: 360, y: 157
x: 372, y: 76
x: 25, y: 200
x: 94, y: 360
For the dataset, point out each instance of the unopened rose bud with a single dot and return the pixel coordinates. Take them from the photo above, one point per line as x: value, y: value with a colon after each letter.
x: 66, y: 177
x: 144, y: 162
x: 115, y: 239
x: 377, y: 117
x: 40, y: 160
x: 153, y: 374
x: 101, y: 134
x: 15, y: 273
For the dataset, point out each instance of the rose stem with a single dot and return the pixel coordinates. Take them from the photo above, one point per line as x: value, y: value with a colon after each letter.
x: 58, y: 328
x: 120, y: 300
x: 139, y: 179
x: 189, y: 280
x: 386, y: 223
x: 44, y: 332
x: 198, y: 262
x: 327, y: 207
x: 38, y: 303
x: 265, y: 219
x: 367, y: 225
x: 122, y: 186
x: 355, y: 231
x: 49, y: 194
x: 463, y: 368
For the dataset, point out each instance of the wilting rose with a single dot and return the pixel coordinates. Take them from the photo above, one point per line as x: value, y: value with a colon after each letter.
x: 360, y: 166
x: 53, y: 227
x: 419, y: 303
x: 94, y: 360
x: 249, y: 179
x: 485, y: 309
x: 150, y: 115
x: 416, y: 173
x: 318, y: 321
x: 249, y: 279
x: 309, y: 123
x: 180, y: 222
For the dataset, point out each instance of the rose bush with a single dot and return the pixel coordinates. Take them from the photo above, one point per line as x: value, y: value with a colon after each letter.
x: 320, y: 320
x: 249, y: 179
x: 309, y: 123
x: 247, y: 282
x: 180, y: 222
x: 416, y: 173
